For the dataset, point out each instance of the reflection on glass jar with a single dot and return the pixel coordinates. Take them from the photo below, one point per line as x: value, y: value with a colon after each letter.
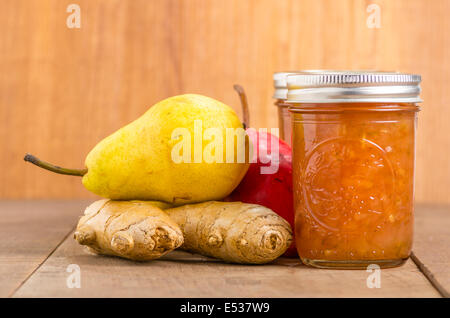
x: 284, y: 121
x: 353, y: 170
x: 280, y: 95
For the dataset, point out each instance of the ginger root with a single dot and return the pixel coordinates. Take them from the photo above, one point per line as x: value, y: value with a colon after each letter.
x: 233, y: 231
x: 136, y: 230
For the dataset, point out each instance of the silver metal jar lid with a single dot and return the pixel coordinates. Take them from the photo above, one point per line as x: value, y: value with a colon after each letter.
x: 280, y: 84
x: 353, y: 86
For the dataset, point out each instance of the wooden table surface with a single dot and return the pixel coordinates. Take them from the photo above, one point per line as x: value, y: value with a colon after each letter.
x: 36, y: 249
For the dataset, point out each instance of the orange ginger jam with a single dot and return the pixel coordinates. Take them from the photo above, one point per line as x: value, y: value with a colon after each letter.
x: 353, y: 171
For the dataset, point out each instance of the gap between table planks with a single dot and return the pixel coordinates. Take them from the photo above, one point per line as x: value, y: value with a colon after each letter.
x: 29, y: 232
x: 432, y: 244
x: 38, y: 268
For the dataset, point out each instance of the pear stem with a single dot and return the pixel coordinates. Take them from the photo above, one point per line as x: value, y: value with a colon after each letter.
x: 53, y: 168
x: 244, y: 104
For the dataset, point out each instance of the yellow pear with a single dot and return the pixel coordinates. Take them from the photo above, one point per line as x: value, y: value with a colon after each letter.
x: 176, y: 152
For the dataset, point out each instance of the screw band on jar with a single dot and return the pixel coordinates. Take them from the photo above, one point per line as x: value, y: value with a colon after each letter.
x: 351, y: 87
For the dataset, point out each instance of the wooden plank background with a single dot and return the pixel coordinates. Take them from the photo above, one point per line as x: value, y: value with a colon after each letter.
x: 62, y: 90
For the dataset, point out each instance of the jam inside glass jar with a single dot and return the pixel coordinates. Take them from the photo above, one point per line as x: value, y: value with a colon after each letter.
x: 353, y: 172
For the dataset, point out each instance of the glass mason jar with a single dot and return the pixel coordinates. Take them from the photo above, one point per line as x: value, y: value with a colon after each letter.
x: 353, y: 166
x: 280, y: 95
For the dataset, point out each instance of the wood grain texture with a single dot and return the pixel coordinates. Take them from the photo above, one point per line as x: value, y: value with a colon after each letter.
x: 179, y: 274
x: 432, y: 241
x: 62, y: 90
x: 29, y: 232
